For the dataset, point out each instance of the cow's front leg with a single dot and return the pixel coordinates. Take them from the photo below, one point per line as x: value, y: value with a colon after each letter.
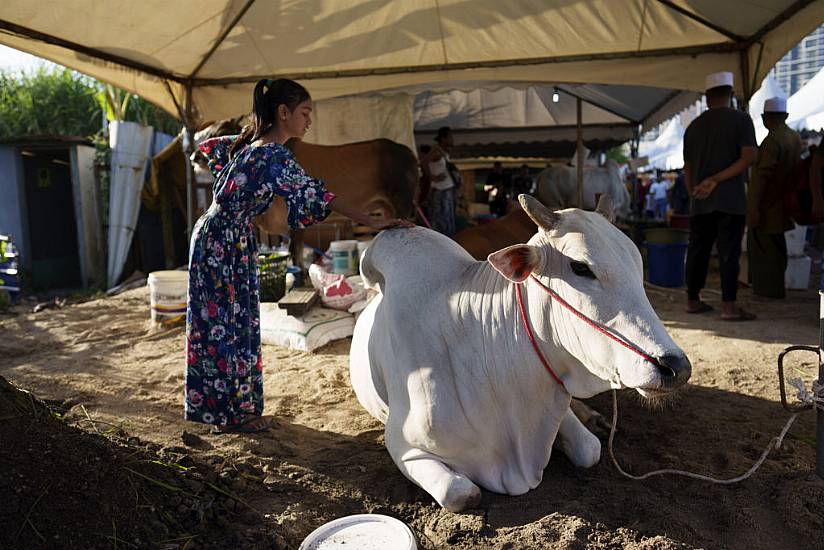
x: 450, y: 489
x: 579, y: 444
x: 589, y: 417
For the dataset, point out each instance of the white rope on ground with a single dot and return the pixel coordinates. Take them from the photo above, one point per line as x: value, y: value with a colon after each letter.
x: 814, y: 397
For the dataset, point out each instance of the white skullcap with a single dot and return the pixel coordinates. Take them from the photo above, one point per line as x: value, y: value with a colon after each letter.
x: 775, y: 105
x: 714, y: 80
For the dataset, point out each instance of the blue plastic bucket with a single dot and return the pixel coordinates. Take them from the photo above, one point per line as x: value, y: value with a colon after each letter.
x: 665, y: 264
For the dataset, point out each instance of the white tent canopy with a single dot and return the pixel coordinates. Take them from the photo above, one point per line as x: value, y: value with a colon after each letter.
x: 207, y: 55
x: 667, y: 150
x: 476, y: 105
x: 806, y: 106
x: 539, y: 119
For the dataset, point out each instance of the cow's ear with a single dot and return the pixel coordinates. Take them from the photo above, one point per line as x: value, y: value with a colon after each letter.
x: 543, y: 217
x: 605, y: 208
x: 515, y: 262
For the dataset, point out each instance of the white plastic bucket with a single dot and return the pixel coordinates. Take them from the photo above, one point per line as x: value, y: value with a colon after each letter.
x: 361, y: 532
x: 168, y: 290
x: 796, y: 238
x: 797, y: 275
x: 344, y: 257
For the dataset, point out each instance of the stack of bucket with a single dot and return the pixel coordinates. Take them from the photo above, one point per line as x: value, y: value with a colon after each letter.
x: 797, y: 275
x: 666, y: 256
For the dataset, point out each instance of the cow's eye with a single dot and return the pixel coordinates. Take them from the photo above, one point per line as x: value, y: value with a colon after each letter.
x: 582, y: 270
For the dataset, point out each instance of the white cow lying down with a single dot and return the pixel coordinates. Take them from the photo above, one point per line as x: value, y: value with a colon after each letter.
x: 441, y: 355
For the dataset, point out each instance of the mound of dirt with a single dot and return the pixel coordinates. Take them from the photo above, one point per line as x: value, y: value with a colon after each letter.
x: 66, y: 487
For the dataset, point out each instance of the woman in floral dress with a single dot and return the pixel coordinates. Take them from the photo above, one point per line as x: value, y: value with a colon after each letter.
x: 224, y: 376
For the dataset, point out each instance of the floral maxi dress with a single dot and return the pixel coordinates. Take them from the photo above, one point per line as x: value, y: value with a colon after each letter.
x: 224, y: 375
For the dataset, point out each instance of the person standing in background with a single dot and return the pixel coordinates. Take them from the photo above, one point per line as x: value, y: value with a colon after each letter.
x: 659, y: 190
x: 424, y: 184
x: 436, y: 167
x: 766, y: 219
x: 816, y: 181
x: 719, y: 146
x: 680, y: 196
x: 497, y: 179
x: 523, y: 183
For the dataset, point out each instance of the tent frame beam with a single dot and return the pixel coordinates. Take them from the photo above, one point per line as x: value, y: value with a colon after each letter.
x: 697, y: 18
x: 661, y: 105
x: 229, y: 28
x: 91, y: 52
x: 535, y: 128
x: 567, y: 91
x: 722, y: 47
x: 776, y: 21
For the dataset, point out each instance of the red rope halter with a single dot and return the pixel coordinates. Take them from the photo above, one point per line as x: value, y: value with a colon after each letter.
x: 594, y: 324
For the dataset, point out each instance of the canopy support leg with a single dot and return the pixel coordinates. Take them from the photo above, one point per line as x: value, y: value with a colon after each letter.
x: 580, y: 154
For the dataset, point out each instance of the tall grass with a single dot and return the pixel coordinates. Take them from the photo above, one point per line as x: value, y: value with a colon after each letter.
x: 59, y: 101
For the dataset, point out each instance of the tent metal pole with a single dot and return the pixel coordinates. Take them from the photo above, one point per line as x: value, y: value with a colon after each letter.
x: 229, y: 28
x: 745, y: 74
x: 580, y: 153
x: 819, y: 411
x: 188, y: 147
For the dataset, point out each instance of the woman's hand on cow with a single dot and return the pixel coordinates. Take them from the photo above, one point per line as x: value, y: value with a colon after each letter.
x: 342, y: 207
x: 391, y: 224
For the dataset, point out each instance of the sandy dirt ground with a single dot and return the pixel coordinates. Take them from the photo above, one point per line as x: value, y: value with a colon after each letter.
x: 326, y: 458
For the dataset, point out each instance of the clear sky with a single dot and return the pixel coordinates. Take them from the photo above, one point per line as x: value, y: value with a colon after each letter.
x: 15, y: 60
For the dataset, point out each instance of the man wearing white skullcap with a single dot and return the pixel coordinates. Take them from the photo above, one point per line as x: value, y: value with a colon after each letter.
x: 719, y: 146
x: 766, y: 220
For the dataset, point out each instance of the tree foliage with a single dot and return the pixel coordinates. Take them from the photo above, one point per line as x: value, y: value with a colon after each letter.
x: 60, y: 101
x: 619, y: 154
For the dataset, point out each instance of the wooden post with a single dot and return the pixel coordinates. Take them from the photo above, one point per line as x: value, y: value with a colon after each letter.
x: 580, y: 156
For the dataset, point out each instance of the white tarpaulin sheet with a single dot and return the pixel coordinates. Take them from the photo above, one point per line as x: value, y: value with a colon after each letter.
x: 352, y: 119
x: 130, y: 143
x: 220, y: 48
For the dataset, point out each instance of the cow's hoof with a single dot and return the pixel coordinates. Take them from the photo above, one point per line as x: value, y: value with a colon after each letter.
x: 587, y: 456
x: 460, y: 495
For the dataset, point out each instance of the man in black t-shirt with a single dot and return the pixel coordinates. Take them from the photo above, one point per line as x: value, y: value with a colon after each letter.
x: 719, y: 146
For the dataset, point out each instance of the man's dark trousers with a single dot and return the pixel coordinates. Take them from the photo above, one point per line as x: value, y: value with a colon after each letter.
x: 705, y: 229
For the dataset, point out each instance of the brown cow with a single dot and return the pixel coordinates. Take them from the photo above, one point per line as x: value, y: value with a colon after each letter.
x: 482, y: 240
x: 374, y: 176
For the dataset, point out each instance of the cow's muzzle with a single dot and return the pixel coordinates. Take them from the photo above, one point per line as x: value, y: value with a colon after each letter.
x: 674, y: 370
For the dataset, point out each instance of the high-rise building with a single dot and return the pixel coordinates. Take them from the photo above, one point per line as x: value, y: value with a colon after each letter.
x: 801, y: 63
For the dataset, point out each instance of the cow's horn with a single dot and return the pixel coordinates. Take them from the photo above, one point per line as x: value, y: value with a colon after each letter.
x: 545, y: 218
x: 605, y: 208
